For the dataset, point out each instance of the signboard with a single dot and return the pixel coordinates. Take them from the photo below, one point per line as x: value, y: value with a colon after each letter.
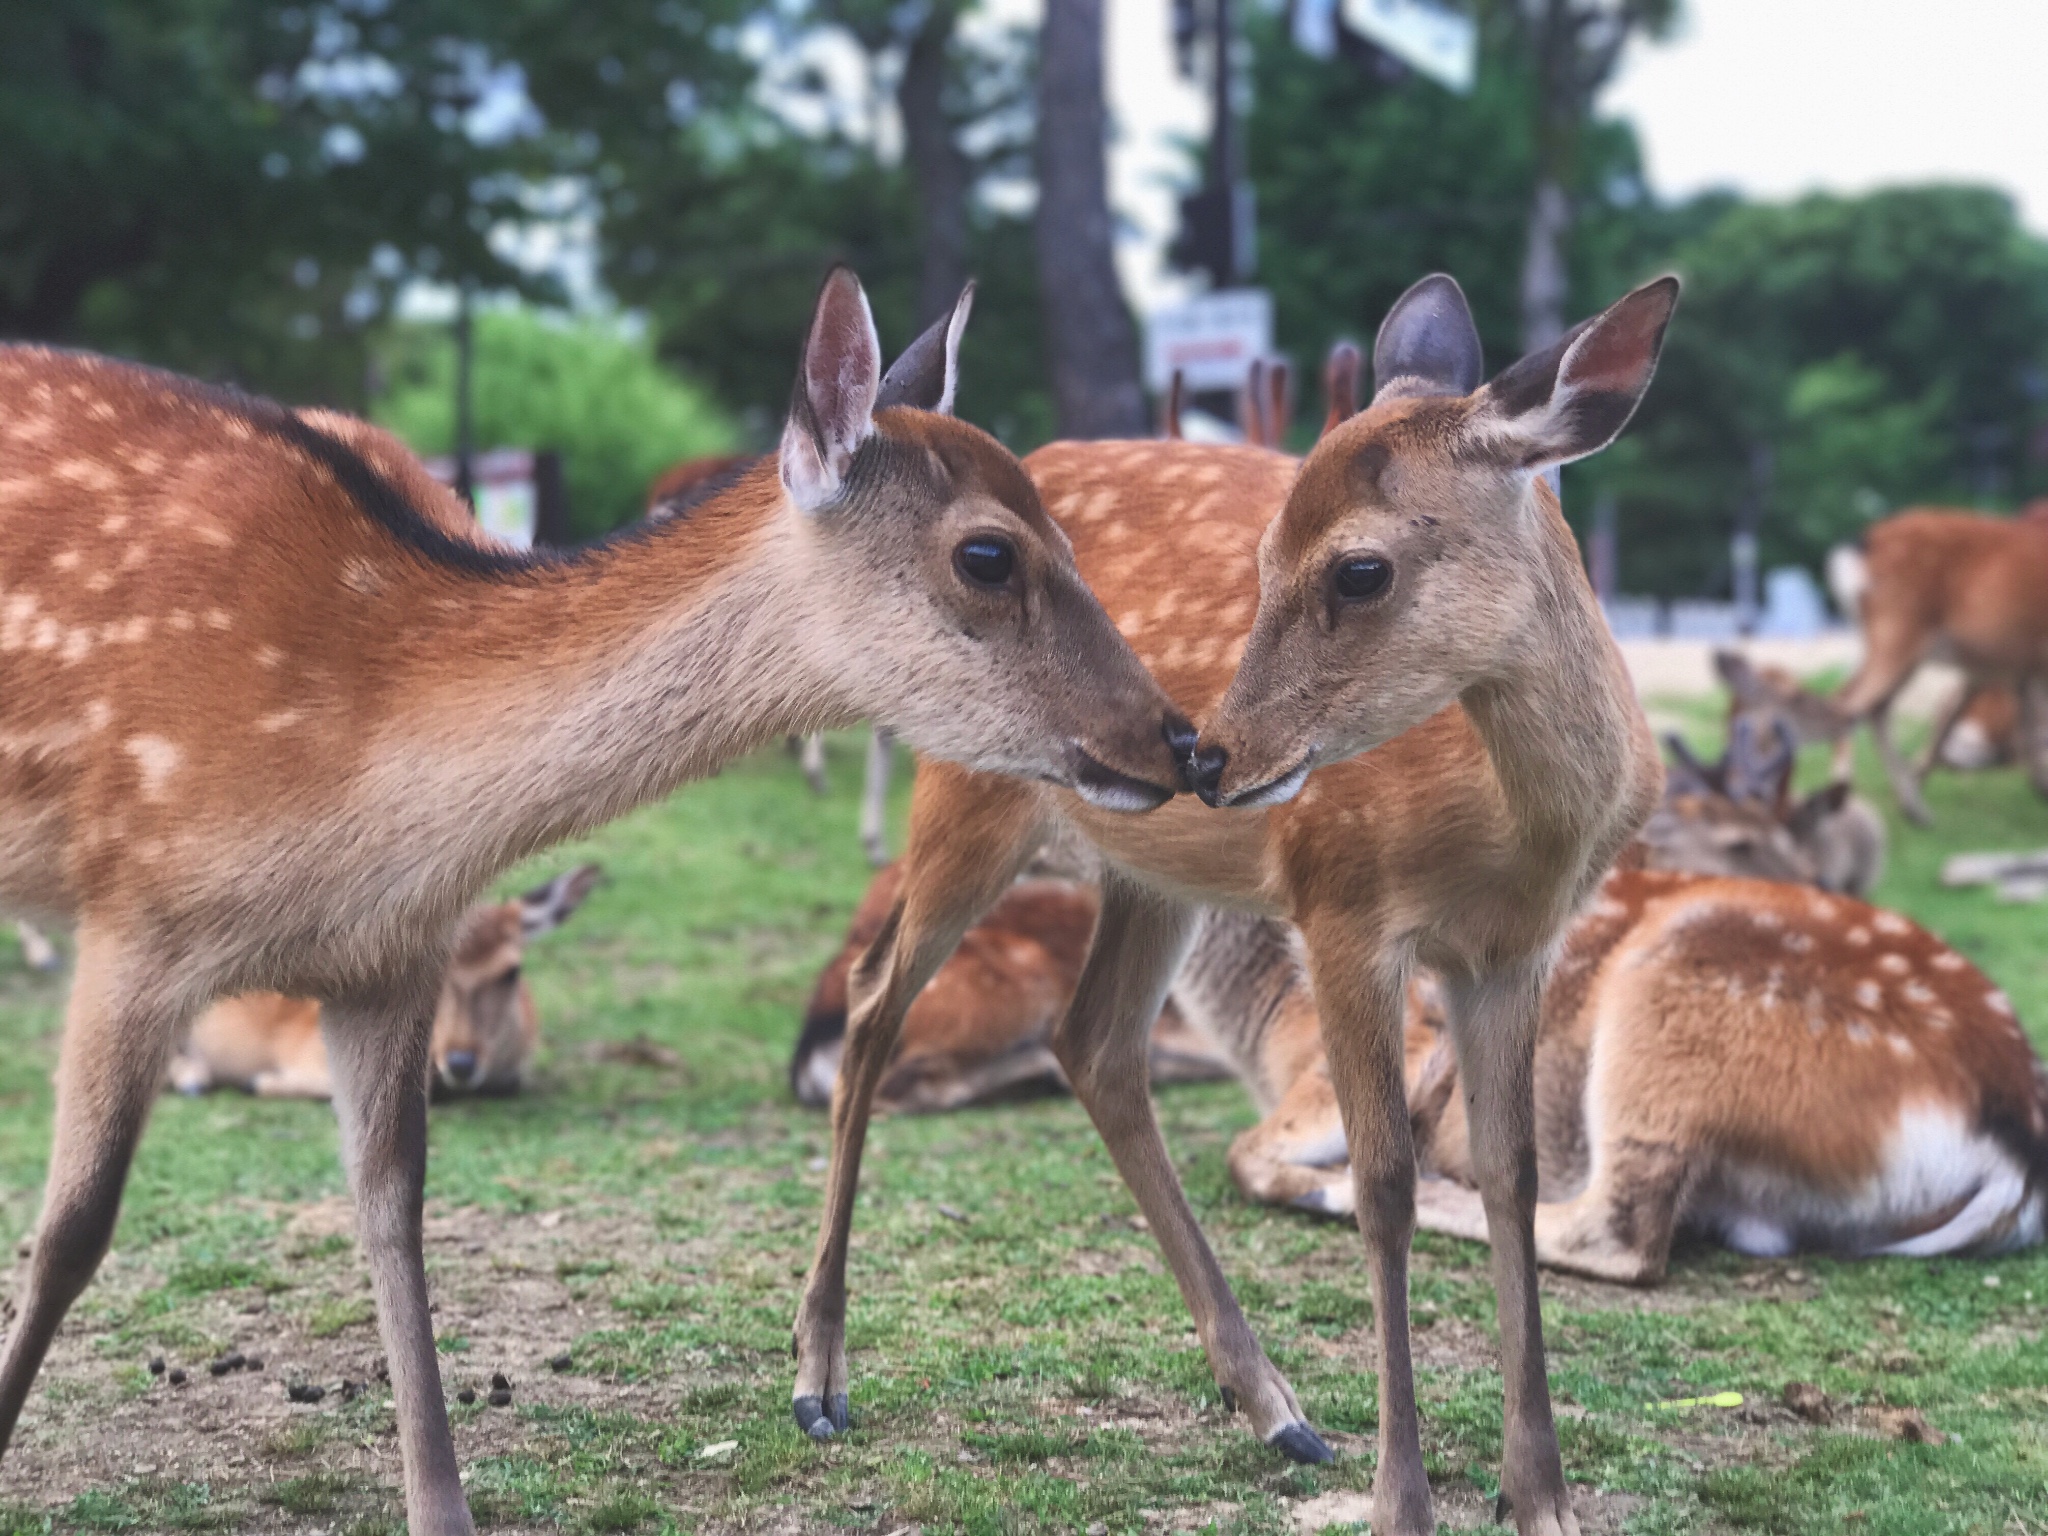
x: 1430, y: 38
x: 1212, y: 339
x: 503, y: 482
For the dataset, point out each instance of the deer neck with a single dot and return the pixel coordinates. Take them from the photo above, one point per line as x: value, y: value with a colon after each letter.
x: 1560, y: 721
x: 545, y: 702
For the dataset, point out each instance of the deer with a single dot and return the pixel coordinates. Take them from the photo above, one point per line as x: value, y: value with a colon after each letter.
x: 1883, y: 1099
x: 486, y: 1025
x: 982, y: 1030
x: 1773, y: 1067
x: 982, y: 1027
x: 1419, y: 745
x: 673, y: 493
x: 1960, y: 587
x: 271, y: 716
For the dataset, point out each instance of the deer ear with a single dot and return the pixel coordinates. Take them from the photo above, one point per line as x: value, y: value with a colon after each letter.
x: 1760, y: 761
x: 1687, y: 775
x: 1340, y: 384
x: 1428, y: 344
x: 927, y: 376
x: 547, y: 907
x: 833, y: 409
x: 1574, y: 397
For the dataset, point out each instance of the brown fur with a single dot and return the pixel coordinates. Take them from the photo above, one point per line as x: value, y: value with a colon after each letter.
x: 486, y: 1025
x: 1512, y: 764
x: 269, y: 720
x: 1958, y: 587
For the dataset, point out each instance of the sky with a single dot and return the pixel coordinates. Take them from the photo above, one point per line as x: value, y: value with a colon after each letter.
x: 1779, y: 97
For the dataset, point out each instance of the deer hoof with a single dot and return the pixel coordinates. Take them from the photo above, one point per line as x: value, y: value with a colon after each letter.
x: 1297, y: 1442
x: 818, y: 1419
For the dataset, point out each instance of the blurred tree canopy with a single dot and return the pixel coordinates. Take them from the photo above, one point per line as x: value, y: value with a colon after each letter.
x: 585, y: 387
x: 240, y: 188
x: 1838, y: 357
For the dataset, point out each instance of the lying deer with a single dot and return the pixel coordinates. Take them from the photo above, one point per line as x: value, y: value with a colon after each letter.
x: 1962, y: 588
x: 1744, y: 805
x: 486, y: 1027
x: 271, y: 715
x: 1417, y: 592
x: 982, y: 1027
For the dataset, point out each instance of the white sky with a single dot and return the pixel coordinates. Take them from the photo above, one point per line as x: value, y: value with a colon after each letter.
x: 1779, y: 97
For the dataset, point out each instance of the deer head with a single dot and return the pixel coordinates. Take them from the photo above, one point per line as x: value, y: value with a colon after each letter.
x: 1418, y: 555
x: 951, y: 607
x: 485, y: 1028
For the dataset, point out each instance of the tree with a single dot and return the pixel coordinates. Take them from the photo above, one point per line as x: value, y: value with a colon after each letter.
x: 235, y: 187
x: 1091, y: 344
x: 1570, y: 49
x: 585, y: 387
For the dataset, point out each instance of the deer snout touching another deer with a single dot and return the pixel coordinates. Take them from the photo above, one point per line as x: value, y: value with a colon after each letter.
x: 272, y: 713
x: 486, y: 1026
x: 1413, y: 586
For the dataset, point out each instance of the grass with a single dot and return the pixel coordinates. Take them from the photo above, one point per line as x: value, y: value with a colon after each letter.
x: 1029, y: 1369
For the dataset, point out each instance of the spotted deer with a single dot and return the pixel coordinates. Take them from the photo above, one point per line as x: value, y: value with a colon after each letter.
x: 486, y: 1026
x: 1958, y: 587
x: 1417, y: 593
x: 270, y: 717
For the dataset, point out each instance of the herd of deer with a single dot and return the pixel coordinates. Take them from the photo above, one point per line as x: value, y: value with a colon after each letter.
x: 272, y: 712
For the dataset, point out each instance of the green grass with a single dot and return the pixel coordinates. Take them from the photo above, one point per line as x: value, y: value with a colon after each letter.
x: 1031, y: 1369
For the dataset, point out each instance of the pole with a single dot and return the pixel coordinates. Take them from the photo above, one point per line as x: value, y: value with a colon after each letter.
x: 465, y: 432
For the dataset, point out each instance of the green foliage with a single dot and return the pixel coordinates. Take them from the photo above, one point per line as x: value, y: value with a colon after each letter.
x: 1882, y: 350
x: 204, y: 183
x: 585, y: 387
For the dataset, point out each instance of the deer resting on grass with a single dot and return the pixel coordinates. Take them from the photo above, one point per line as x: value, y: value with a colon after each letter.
x: 270, y: 717
x: 486, y: 1026
x: 1419, y: 594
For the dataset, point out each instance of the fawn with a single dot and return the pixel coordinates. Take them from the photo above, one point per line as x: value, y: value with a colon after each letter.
x: 1968, y: 589
x: 486, y: 1027
x: 1417, y: 592
x: 270, y: 718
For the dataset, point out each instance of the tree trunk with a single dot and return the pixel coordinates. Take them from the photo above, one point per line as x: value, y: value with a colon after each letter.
x: 1546, y: 279
x: 1091, y: 345
x: 936, y: 164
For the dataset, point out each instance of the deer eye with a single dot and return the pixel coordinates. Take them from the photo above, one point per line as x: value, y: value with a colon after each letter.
x: 1357, y: 577
x: 985, y: 560
x: 510, y: 978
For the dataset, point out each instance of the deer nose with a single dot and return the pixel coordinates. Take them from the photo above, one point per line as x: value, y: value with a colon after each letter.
x: 1180, y: 739
x: 459, y: 1065
x: 1204, y: 771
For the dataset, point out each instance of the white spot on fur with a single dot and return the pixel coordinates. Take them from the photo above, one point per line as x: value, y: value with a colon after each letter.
x: 1859, y: 936
x: 157, y: 759
x: 113, y: 522
x: 1798, y: 943
x: 1858, y: 1033
x: 77, y: 644
x: 268, y: 656
x: 1998, y: 1003
x: 1940, y: 1018
x: 1769, y: 922
x: 1949, y: 960
x: 99, y: 714
x: 1891, y: 923
x: 1918, y: 993
x: 66, y: 560
x: 179, y: 620
x: 282, y: 720
x: 1868, y: 994
x: 217, y: 618
x: 1901, y: 1046
x: 1894, y: 965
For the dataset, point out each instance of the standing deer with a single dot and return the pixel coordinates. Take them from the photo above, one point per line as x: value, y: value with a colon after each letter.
x: 1962, y: 588
x: 1419, y: 593
x: 270, y: 716
x: 486, y: 1026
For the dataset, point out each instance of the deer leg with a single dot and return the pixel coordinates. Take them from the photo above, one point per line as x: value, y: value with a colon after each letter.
x: 2033, y: 731
x: 1493, y: 1019
x: 874, y: 796
x: 962, y: 856
x: 377, y: 1055
x: 1944, y: 727
x: 1296, y: 1155
x: 1904, y: 785
x: 1361, y: 1003
x: 1104, y: 1044
x: 813, y: 759
x: 119, y: 1026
